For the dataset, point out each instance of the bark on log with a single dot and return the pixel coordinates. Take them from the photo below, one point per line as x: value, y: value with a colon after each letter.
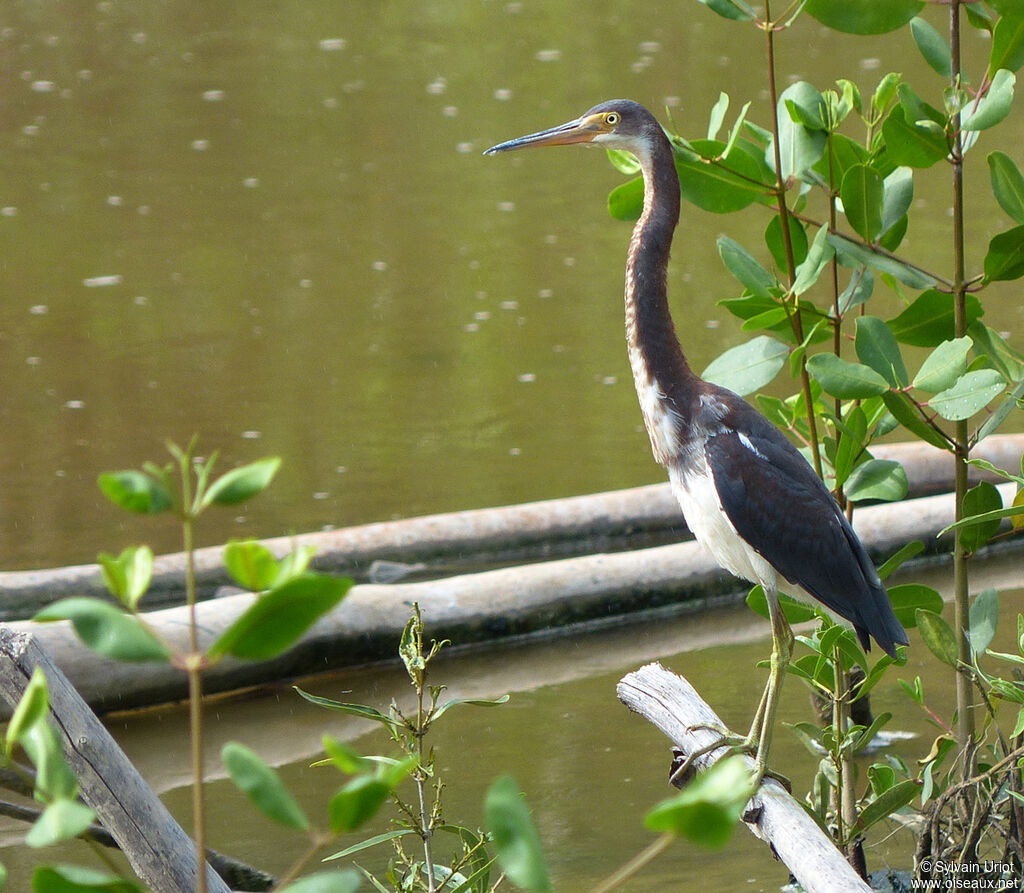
x: 466, y: 609
x: 159, y: 851
x: 455, y: 541
x: 673, y: 705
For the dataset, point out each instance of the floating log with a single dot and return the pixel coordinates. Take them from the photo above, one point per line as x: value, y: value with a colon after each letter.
x: 669, y: 702
x: 468, y: 608
x: 159, y: 851
x: 459, y: 541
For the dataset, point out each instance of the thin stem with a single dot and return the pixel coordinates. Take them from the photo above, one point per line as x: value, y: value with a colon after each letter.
x: 426, y: 823
x: 195, y: 700
x: 647, y: 855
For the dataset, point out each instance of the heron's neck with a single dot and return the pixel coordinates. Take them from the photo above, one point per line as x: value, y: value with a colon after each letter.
x: 656, y: 357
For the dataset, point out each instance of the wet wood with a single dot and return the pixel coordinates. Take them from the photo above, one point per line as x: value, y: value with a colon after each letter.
x: 461, y: 541
x: 503, y: 603
x: 673, y: 705
x: 157, y: 848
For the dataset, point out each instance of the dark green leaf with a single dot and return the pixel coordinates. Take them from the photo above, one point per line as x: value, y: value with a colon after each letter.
x: 719, y: 186
x: 851, y: 444
x: 877, y: 479
x: 1007, y: 185
x: 933, y: 46
x: 910, y: 143
x: 982, y: 499
x: 63, y: 819
x: 748, y: 367
x: 877, y: 348
x: 242, y: 483
x: 357, y: 802
x: 360, y: 710
x: 899, y: 196
x: 710, y: 806
x: 908, y: 598
x: 626, y: 201
x: 904, y: 411
x: 851, y: 254
x: 984, y: 617
x: 368, y: 843
x: 473, y: 702
x: 993, y: 107
x: 845, y: 380
x: 1005, y: 257
x: 887, y: 803
x: 75, y: 879
x: 864, y: 16
x: 794, y: 611
x: 806, y: 106
x: 745, y: 267
x: 275, y: 621
x: 993, y: 346
x: 515, y: 837
x: 1007, y: 45
x: 773, y: 238
x: 862, y: 193
x: 929, y: 320
x: 944, y: 365
x: 105, y: 629
x: 346, y: 881
x: 841, y: 153
x: 128, y: 575
x: 938, y: 636
x: 135, y: 491
x: 971, y: 393
x: 737, y: 10
x: 263, y: 786
x: 799, y: 147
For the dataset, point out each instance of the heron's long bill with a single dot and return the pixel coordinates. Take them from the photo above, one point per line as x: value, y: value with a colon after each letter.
x: 580, y: 130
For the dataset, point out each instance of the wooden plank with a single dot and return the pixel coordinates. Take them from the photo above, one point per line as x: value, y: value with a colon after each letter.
x: 159, y: 851
x: 673, y: 705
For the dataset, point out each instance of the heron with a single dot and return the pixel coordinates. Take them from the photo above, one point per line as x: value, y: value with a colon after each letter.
x: 747, y: 494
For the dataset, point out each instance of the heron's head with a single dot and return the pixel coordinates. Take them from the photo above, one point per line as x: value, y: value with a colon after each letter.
x: 616, y: 124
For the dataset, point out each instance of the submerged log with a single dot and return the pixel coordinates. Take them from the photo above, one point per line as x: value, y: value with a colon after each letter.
x: 673, y: 705
x: 159, y: 851
x: 465, y: 609
x: 458, y: 541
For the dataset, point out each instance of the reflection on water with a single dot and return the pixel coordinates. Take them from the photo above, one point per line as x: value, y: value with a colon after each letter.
x: 270, y: 223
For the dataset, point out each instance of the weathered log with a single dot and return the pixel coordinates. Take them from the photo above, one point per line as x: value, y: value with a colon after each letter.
x: 450, y: 542
x: 673, y: 705
x: 157, y: 848
x: 466, y: 609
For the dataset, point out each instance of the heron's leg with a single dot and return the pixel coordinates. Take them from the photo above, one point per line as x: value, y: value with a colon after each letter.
x: 764, y: 719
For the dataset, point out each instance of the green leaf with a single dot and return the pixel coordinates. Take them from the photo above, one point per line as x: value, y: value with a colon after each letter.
x: 887, y: 803
x: 851, y: 254
x: 845, y: 380
x: 63, y: 819
x: 799, y: 147
x: 736, y: 10
x: 841, y: 153
x: 806, y: 106
x: 32, y: 708
x: 993, y: 346
x: 984, y: 617
x: 368, y: 843
x: 994, y: 106
x: 748, y: 367
x: 1005, y: 257
x: 75, y: 879
x: 474, y: 702
x: 1007, y: 185
x: 251, y: 564
x: 929, y: 320
x: 938, y: 636
x: 850, y: 448
x: 515, y: 837
x: 710, y: 806
x: 136, y: 491
x: 346, y: 881
x: 864, y: 16
x: 1007, y: 45
x: 794, y: 611
x: 933, y: 47
x: 744, y: 266
x: 877, y: 348
x: 357, y: 802
x: 877, y: 479
x: 54, y: 778
x: 242, y: 483
x: 914, y: 144
x: 943, y: 366
x: 624, y: 162
x: 263, y: 786
x: 901, y: 557
x: 128, y: 576
x: 818, y: 256
x: 719, y: 186
x: 862, y: 193
x: 360, y: 710
x: 626, y: 201
x: 904, y: 411
x: 971, y: 393
x: 982, y: 499
x: 898, y: 197
x: 105, y: 629
x: 908, y: 598
x: 275, y: 621
x: 717, y: 116
x: 773, y: 238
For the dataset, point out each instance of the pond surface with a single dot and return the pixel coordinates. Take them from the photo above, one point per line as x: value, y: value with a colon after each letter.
x: 269, y: 223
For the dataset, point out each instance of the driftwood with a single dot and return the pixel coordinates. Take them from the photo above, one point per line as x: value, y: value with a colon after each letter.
x: 466, y: 609
x: 159, y: 851
x: 669, y: 702
x: 459, y: 541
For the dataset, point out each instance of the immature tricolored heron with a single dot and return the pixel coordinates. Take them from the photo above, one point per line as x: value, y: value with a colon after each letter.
x: 746, y: 492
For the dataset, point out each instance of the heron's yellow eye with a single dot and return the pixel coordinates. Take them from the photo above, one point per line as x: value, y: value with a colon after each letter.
x: 611, y: 118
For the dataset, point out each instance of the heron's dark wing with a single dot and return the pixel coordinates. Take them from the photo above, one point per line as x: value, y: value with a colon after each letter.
x: 779, y: 506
